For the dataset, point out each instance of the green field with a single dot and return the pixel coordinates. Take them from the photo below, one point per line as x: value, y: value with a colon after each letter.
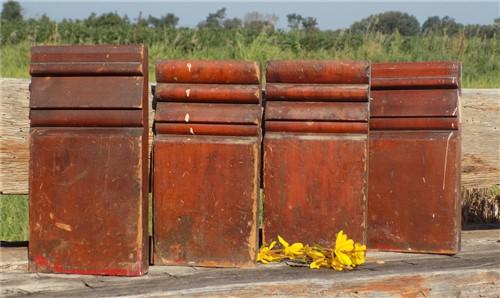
x: 480, y: 56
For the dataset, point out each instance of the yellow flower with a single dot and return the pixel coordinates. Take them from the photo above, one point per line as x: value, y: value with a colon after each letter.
x: 318, y: 263
x: 265, y: 254
x: 359, y: 253
x: 291, y: 251
x: 336, y: 265
x: 344, y: 255
x: 314, y: 253
x: 343, y: 247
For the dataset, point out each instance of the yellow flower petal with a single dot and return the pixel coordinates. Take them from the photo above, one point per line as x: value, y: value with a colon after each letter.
x: 265, y: 255
x: 336, y: 265
x: 343, y: 259
x: 318, y: 264
x: 314, y: 254
x: 283, y: 242
x: 343, y: 243
x: 294, y: 250
x: 296, y: 247
x: 263, y: 261
x: 359, y: 254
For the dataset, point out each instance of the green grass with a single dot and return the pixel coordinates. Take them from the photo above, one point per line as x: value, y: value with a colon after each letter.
x: 480, y: 57
x: 13, y: 217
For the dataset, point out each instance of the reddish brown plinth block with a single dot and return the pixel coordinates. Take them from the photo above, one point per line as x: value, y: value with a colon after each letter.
x: 88, y: 160
x: 414, y: 168
x: 206, y: 163
x: 315, y: 185
x: 205, y: 194
x: 316, y: 151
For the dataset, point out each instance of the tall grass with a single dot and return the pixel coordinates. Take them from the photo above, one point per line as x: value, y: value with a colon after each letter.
x: 480, y: 56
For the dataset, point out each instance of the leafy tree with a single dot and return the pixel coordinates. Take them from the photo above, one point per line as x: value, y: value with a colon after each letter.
x: 441, y: 25
x: 169, y: 20
x: 483, y: 31
x: 233, y: 23
x: 12, y: 11
x: 214, y: 20
x: 432, y: 24
x: 294, y: 21
x: 297, y: 21
x: 310, y: 23
x: 107, y: 20
x: 110, y: 28
x: 388, y: 23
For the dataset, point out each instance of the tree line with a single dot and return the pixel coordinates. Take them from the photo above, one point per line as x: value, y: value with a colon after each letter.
x: 115, y: 29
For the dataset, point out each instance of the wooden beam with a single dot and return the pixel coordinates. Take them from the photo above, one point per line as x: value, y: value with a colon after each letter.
x: 474, y: 272
x: 480, y: 145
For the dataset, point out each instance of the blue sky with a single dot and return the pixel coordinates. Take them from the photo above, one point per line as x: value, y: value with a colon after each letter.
x: 330, y: 14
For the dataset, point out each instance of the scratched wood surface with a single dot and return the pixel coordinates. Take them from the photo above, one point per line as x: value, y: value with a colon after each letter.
x: 474, y: 272
x: 14, y: 131
x: 480, y: 132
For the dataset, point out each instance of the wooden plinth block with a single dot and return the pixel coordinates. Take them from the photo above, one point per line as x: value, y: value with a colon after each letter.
x: 414, y: 168
x: 89, y: 160
x: 205, y: 200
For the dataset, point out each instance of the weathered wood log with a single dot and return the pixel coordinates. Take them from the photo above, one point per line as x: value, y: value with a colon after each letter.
x: 480, y: 136
x: 474, y: 272
x: 14, y: 132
